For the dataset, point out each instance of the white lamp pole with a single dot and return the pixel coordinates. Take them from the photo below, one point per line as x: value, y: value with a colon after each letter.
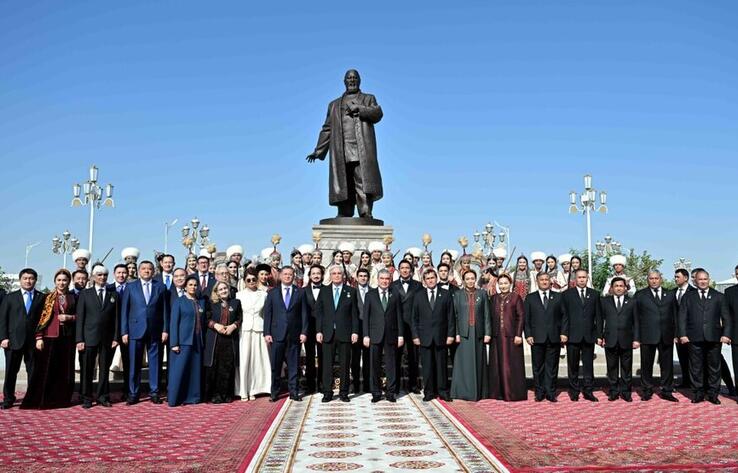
x: 28, y: 250
x: 93, y: 196
x: 588, y: 200
x: 167, y: 226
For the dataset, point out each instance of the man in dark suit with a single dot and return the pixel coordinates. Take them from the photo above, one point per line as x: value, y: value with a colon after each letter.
x: 657, y: 315
x: 142, y: 327
x: 2, y: 294
x: 731, y: 298
x: 619, y: 336
x: 382, y: 319
x: 120, y: 280
x: 96, y: 335
x: 543, y: 332
x: 433, y: 330
x: 313, y: 351
x: 337, y: 327
x: 681, y: 278
x: 360, y: 354
x: 205, y: 279
x: 285, y: 330
x: 581, y: 322
x: 444, y: 272
x: 19, y: 314
x: 166, y: 277
x: 704, y: 323
x: 406, y: 287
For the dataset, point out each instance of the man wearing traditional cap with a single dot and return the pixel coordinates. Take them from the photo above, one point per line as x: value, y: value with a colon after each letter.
x: 347, y: 252
x: 618, y: 263
x: 564, y: 275
x: 500, y: 254
x: 307, y: 261
x: 537, y: 258
x: 81, y: 258
x: 375, y: 248
x: 130, y: 254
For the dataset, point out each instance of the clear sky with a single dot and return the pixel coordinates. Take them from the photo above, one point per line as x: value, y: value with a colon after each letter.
x: 492, y: 111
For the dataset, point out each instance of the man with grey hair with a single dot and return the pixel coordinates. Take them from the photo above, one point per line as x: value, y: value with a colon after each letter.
x: 656, y: 308
x: 222, y: 275
x: 704, y: 323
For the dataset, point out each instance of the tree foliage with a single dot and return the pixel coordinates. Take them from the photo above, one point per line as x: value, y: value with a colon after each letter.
x: 638, y: 265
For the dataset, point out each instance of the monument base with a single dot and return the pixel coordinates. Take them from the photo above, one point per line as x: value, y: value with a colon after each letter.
x: 357, y: 233
x: 351, y: 221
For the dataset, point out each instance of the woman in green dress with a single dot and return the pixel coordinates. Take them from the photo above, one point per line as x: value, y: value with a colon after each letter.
x: 473, y: 331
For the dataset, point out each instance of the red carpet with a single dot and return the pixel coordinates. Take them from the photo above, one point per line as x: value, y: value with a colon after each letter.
x: 144, y: 437
x: 607, y: 436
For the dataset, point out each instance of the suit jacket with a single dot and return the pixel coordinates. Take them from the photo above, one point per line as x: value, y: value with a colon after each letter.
x: 581, y: 321
x: 731, y: 299
x: 436, y: 324
x: 16, y: 324
x: 360, y: 304
x: 543, y: 324
x: 183, y: 321
x: 657, y: 318
x: 482, y: 318
x: 621, y: 327
x: 310, y: 302
x: 406, y: 298
x: 207, y: 291
x: 97, y: 324
x: 282, y: 322
x: 704, y: 321
x: 381, y: 324
x: 137, y: 318
x: 341, y: 321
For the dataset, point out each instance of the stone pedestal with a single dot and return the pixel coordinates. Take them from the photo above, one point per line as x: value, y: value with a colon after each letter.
x: 359, y: 234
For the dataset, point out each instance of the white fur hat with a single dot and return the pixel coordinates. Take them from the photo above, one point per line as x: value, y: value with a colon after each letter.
x: 306, y: 248
x: 234, y: 249
x: 130, y: 252
x: 415, y: 251
x: 346, y: 246
x: 565, y: 258
x: 500, y: 253
x: 454, y: 254
x: 81, y: 253
x: 617, y: 259
x: 265, y: 254
x: 206, y: 253
x: 538, y: 255
x: 375, y: 246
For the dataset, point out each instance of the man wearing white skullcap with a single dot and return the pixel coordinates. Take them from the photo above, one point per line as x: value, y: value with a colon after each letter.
x: 618, y: 263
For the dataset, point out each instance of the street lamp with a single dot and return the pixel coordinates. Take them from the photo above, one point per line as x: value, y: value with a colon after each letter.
x: 683, y: 263
x: 64, y: 245
x: 91, y: 193
x: 588, y: 200
x: 191, y: 235
x: 608, y: 247
x: 167, y: 226
x: 28, y: 250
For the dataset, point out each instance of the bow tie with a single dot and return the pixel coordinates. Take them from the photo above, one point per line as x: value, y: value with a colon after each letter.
x: 405, y: 281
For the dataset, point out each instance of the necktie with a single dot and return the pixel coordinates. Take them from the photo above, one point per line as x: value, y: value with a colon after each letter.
x: 619, y: 303
x: 287, y: 297
x: 28, y: 301
x: 545, y: 299
x: 100, y: 296
x: 167, y: 280
x: 336, y: 295
x: 384, y: 300
x: 147, y: 293
x: 680, y: 293
x: 121, y: 288
x: 433, y: 299
x: 203, y: 282
x: 581, y: 291
x: 363, y: 294
x: 656, y: 295
x: 704, y: 294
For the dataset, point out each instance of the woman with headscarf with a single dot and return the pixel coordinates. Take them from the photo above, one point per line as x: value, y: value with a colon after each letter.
x: 186, y: 329
x: 253, y: 375
x: 224, y: 318
x: 52, y: 380
x: 551, y: 268
x: 521, y: 278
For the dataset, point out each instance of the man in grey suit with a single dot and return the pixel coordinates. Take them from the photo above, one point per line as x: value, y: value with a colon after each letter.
x: 360, y: 353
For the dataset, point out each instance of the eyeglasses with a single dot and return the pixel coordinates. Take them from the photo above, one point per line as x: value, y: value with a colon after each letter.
x: 250, y: 279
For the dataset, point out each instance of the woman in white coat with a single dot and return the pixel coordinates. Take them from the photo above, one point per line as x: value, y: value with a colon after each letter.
x: 254, y: 373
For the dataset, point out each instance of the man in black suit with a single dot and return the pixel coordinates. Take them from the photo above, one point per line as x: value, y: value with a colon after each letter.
x: 543, y: 314
x: 731, y: 298
x: 444, y: 271
x: 19, y: 315
x: 2, y: 294
x: 80, y: 278
x: 406, y: 287
x: 97, y: 334
x: 581, y: 322
x: 205, y: 279
x: 704, y: 323
x: 337, y: 327
x: 433, y: 330
x: 360, y: 354
x: 120, y: 279
x: 619, y: 336
x: 681, y: 279
x: 313, y: 350
x: 166, y: 277
x: 382, y: 319
x: 657, y: 315
x: 285, y: 330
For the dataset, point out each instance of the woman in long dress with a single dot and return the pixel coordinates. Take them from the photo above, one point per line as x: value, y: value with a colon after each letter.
x: 506, y: 370
x: 221, y: 345
x: 186, y: 339
x: 52, y: 381
x: 473, y: 331
x: 521, y: 278
x: 253, y: 375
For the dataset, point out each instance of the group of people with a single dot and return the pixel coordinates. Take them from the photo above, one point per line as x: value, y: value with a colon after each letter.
x: 226, y: 328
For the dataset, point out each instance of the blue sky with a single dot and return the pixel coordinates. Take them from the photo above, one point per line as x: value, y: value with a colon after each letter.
x: 493, y: 110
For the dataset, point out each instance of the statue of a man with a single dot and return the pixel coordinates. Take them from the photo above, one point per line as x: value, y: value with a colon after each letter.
x: 348, y: 134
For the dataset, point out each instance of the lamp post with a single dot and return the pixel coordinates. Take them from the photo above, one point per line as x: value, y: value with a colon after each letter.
x: 91, y: 193
x: 167, y: 226
x: 588, y: 199
x: 28, y: 250
x: 64, y: 245
x: 608, y: 247
x: 683, y: 263
x: 191, y: 235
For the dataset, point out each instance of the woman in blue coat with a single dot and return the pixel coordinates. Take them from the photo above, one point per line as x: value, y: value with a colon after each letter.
x: 186, y: 339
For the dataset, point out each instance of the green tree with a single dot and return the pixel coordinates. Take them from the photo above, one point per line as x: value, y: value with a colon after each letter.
x: 4, y: 280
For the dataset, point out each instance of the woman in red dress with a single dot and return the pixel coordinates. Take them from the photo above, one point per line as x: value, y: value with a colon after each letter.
x: 52, y: 382
x: 521, y: 278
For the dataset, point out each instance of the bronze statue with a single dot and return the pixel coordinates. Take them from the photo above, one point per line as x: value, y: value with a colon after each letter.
x: 348, y: 134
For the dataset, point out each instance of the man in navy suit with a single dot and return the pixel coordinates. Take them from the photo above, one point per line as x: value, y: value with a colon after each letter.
x: 205, y: 279
x: 285, y: 329
x: 143, y: 308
